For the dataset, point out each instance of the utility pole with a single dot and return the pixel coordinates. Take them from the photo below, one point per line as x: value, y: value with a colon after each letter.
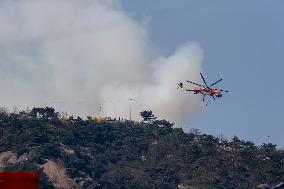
x: 130, y: 111
x: 100, y: 111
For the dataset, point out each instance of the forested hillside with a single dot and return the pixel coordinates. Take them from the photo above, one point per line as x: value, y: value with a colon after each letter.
x: 85, y: 153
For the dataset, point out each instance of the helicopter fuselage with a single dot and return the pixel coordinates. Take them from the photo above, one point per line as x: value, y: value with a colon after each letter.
x: 208, y: 91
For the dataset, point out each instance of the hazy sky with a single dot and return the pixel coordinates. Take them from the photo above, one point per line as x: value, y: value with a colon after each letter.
x: 78, y: 56
x: 243, y: 42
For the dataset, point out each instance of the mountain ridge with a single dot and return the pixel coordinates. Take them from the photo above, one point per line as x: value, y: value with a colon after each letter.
x: 126, y: 154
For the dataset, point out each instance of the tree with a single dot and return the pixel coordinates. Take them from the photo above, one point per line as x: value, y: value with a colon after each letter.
x: 164, y: 123
x: 148, y: 116
x: 47, y: 113
x: 195, y: 131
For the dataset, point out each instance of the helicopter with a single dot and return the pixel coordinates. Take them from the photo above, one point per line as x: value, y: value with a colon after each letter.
x: 204, y: 89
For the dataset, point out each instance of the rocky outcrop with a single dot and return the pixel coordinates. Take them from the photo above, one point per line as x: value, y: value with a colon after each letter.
x: 23, y: 157
x: 86, y: 183
x: 7, y: 158
x: 279, y: 186
x: 266, y: 186
x: 10, y: 158
x: 67, y: 149
x: 183, y: 186
x: 57, y: 175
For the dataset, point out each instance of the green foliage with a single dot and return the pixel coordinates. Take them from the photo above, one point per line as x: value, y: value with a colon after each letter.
x: 147, y: 116
x: 163, y: 123
x: 137, y: 155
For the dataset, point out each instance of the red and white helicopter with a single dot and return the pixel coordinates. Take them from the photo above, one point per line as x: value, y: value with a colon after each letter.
x: 204, y: 90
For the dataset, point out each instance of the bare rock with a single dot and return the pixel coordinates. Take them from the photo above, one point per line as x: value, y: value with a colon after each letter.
x: 279, y: 186
x: 7, y: 158
x: 264, y: 186
x: 57, y: 175
x: 183, y: 186
x: 23, y: 157
x: 67, y: 149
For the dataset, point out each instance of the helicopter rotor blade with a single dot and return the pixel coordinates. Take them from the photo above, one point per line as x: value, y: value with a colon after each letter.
x: 204, y: 80
x: 203, y: 97
x: 222, y: 90
x: 216, y: 82
x: 195, y: 83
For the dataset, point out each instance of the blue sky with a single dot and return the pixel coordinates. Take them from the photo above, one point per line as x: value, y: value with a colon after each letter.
x: 243, y: 43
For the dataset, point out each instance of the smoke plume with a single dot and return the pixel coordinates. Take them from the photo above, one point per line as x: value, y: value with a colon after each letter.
x: 90, y: 58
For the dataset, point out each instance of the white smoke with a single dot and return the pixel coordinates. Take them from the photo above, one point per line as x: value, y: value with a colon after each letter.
x: 78, y: 56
